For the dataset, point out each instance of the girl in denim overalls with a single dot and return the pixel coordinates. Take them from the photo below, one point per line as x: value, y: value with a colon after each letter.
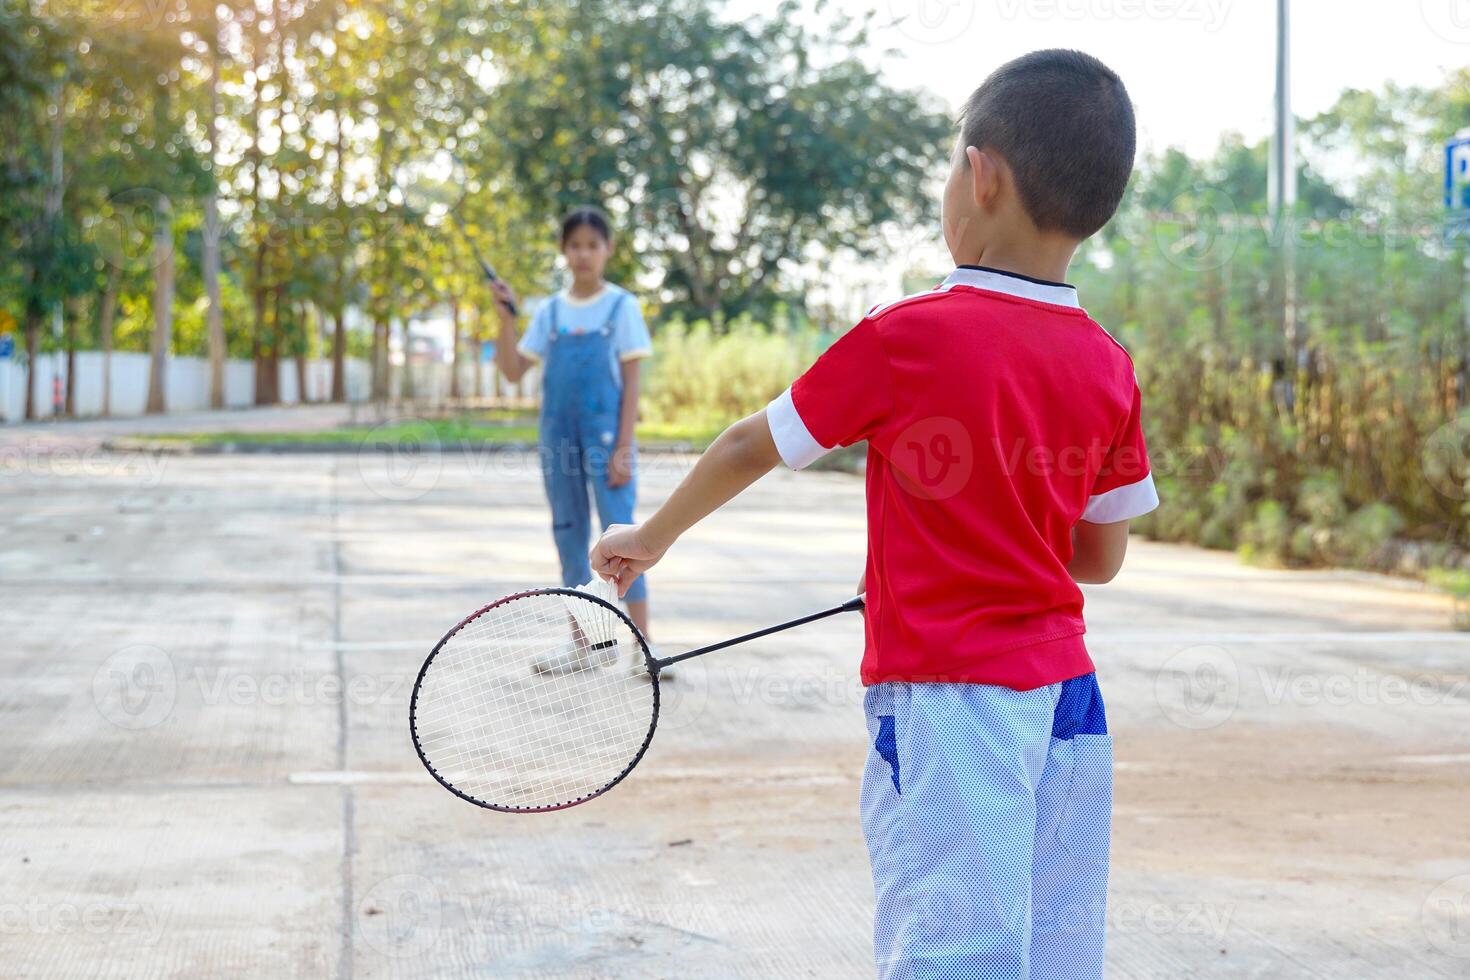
x: 591, y: 340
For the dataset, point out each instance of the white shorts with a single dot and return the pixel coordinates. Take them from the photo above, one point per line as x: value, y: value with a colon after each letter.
x: 987, y: 813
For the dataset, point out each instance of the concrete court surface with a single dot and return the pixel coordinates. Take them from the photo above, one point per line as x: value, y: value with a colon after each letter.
x: 205, y: 769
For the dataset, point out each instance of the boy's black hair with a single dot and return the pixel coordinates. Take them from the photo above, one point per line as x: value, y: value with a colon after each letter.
x: 1064, y: 123
x: 586, y: 216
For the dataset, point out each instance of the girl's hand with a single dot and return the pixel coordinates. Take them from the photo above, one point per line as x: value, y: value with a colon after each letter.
x: 505, y: 298
x: 620, y: 467
x: 622, y: 554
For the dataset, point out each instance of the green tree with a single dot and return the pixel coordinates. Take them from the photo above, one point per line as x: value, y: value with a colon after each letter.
x: 726, y: 148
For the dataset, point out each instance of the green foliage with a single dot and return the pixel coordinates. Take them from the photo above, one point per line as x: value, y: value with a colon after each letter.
x: 1323, y: 450
x: 701, y: 377
x: 1367, y: 531
x: 1451, y: 581
x: 1266, y: 535
x: 724, y: 147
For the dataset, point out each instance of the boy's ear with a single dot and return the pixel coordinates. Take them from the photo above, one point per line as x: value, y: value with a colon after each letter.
x: 985, y: 173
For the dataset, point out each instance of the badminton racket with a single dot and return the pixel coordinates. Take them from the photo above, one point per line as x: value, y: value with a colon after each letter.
x: 545, y: 699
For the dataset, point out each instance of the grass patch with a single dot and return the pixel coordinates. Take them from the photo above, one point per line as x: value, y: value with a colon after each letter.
x: 482, y: 429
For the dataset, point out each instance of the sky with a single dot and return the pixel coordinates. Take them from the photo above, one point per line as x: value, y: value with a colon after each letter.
x: 1195, y: 68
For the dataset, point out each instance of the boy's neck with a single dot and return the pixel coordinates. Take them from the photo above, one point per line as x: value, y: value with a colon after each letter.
x: 1038, y: 257
x: 583, y: 288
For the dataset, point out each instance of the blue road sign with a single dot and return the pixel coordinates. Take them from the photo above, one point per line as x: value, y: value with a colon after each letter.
x: 1457, y: 186
x: 7, y: 346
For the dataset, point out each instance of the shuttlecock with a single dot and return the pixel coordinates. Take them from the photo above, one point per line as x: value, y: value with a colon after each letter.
x: 596, y: 623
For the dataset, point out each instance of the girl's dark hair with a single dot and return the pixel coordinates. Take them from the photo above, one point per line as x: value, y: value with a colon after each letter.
x: 586, y: 217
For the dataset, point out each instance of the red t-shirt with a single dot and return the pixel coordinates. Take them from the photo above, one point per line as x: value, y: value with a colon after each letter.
x: 997, y: 415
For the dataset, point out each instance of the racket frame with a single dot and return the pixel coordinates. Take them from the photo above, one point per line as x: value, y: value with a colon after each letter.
x: 648, y: 661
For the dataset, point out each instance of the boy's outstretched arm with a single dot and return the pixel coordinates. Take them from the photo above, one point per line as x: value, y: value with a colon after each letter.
x: 742, y: 454
x: 1097, y: 551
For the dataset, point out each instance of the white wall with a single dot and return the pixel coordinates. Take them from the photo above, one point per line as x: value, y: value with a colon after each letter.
x: 186, y: 384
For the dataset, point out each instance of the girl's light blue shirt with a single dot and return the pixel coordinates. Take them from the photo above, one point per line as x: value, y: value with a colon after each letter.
x: 630, y: 338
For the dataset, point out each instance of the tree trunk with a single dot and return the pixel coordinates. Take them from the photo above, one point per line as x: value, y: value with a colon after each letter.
x: 33, y: 350
x: 303, y: 393
x: 271, y: 357
x: 409, y: 390
x: 69, y: 333
x: 339, y: 356
x: 104, y: 334
x: 339, y: 297
x: 261, y: 344
x: 475, y: 350
x: 380, y: 361
x: 163, y: 308
x: 454, y: 343
x: 210, y: 263
x: 45, y: 265
x: 261, y: 236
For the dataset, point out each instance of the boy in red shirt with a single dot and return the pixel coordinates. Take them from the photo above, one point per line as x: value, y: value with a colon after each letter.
x: 1005, y: 460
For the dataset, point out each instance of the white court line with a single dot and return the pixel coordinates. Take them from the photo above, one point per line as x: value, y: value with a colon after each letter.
x: 802, y: 777
x: 1101, y: 638
x: 356, y: 778
x: 1168, y: 636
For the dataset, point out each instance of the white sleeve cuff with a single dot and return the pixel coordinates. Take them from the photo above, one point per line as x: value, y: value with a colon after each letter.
x: 793, y: 439
x: 1122, y: 503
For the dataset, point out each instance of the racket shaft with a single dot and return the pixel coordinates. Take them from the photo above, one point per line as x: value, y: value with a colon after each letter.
x: 851, y: 605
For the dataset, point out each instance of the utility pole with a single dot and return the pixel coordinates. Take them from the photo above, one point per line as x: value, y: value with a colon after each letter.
x: 1281, y: 180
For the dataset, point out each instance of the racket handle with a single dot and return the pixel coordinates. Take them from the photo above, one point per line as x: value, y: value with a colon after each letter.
x: 486, y: 268
x: 490, y: 276
x: 855, y: 603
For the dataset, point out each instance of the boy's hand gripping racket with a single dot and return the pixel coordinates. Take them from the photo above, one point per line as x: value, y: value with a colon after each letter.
x: 544, y: 699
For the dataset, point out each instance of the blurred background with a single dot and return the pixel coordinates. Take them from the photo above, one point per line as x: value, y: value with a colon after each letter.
x: 199, y: 210
x: 255, y: 458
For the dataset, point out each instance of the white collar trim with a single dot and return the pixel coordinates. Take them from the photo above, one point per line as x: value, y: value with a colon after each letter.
x: 580, y: 301
x: 1012, y: 285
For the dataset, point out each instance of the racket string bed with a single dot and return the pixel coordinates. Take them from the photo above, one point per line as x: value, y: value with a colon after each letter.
x: 545, y: 699
x: 500, y: 727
